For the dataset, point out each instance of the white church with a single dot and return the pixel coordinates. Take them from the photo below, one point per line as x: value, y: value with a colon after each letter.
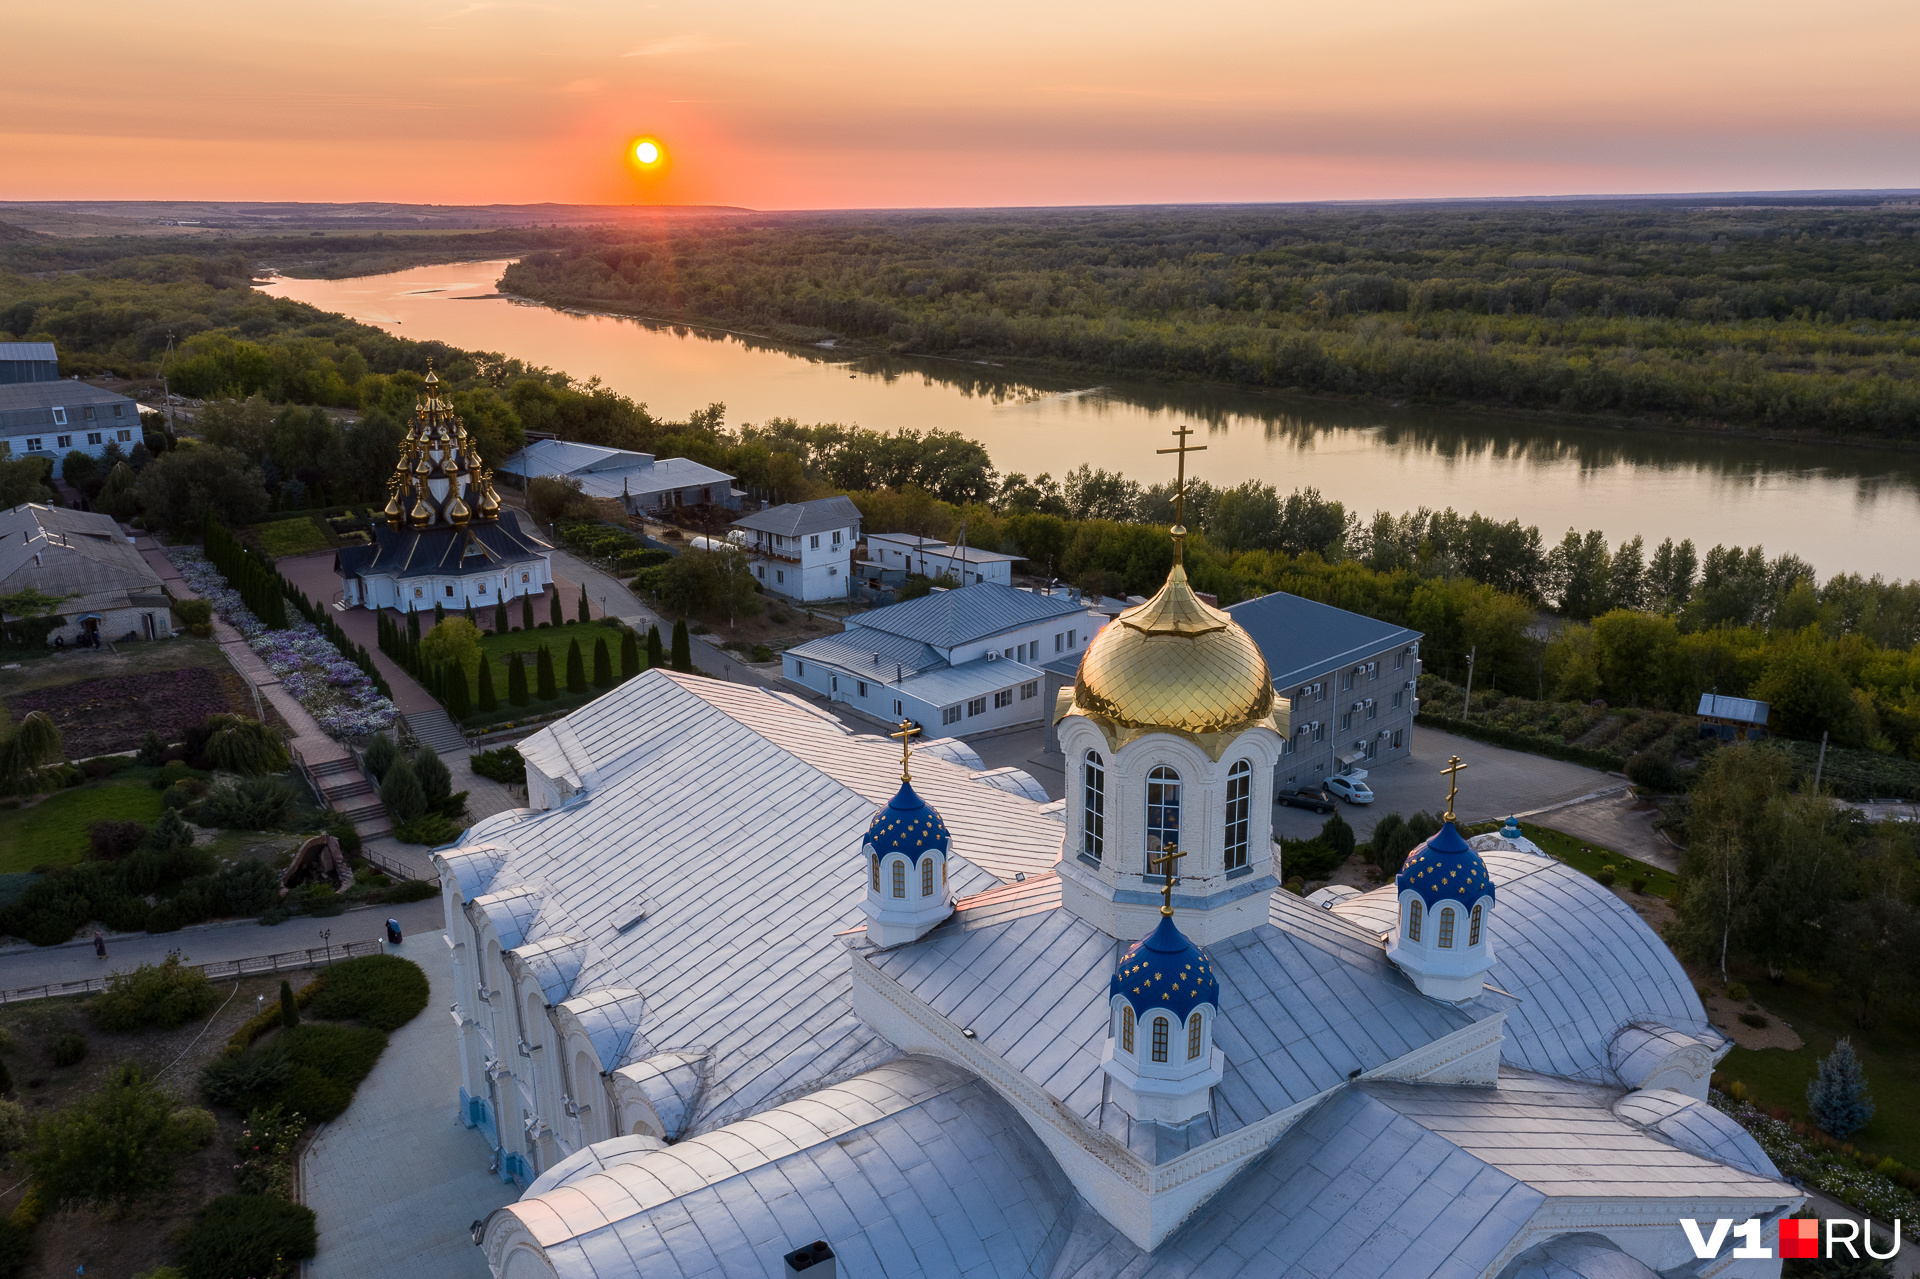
x: 744, y: 993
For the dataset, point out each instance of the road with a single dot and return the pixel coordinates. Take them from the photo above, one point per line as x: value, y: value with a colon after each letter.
x: 611, y: 596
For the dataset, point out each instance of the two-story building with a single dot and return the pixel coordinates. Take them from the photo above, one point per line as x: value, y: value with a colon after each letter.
x: 909, y: 554
x: 804, y: 550
x: 49, y: 418
x: 953, y: 661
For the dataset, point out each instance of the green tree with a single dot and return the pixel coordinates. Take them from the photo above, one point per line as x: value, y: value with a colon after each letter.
x: 500, y: 616
x: 488, y: 702
x: 553, y: 607
x: 656, y: 651
x: 400, y: 792
x: 526, y: 612
x: 629, y: 654
x: 455, y: 645
x: 179, y: 490
x: 543, y: 665
x: 289, y: 1010
x: 1807, y: 692
x: 602, y: 664
x: 114, y: 1148
x: 516, y: 680
x: 1633, y: 656
x: 436, y: 780
x: 25, y: 480
x: 453, y: 682
x: 576, y: 668
x: 682, y: 648
x: 25, y: 754
x: 1837, y: 1096
x: 585, y: 615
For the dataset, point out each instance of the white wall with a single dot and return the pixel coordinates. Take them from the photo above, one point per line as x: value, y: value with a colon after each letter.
x: 422, y: 593
x: 90, y: 438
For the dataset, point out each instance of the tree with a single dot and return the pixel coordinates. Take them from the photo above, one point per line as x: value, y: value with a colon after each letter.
x: 380, y: 754
x: 576, y: 668
x: 553, y: 607
x: 1837, y: 1097
x: 656, y: 651
x: 401, y: 793
x: 602, y: 664
x: 488, y: 701
x: 455, y: 645
x: 1633, y: 653
x: 436, y: 780
x: 241, y: 744
x: 178, y: 491
x: 543, y: 665
x: 526, y: 612
x: 682, y: 648
x: 289, y: 1010
x: 25, y: 754
x: 119, y: 496
x: 585, y: 616
x: 1338, y: 836
x: 629, y: 655
x: 516, y: 680
x: 116, y: 1147
x: 453, y: 682
x: 553, y: 498
x: 25, y: 480
x: 500, y: 616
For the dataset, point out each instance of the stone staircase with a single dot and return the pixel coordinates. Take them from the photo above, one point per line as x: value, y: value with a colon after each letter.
x: 347, y: 791
x: 435, y: 728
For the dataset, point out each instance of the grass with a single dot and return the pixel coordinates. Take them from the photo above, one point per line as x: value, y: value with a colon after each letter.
x: 298, y: 536
x: 53, y: 832
x: 45, y: 668
x: 1587, y: 858
x: 499, y: 648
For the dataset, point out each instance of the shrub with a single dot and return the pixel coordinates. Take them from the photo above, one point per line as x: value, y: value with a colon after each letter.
x: 1638, y: 883
x: 382, y: 991
x: 1605, y: 876
x: 169, y: 836
x: 117, y: 1146
x: 247, y: 1235
x: 1338, y: 836
x: 257, y: 803
x: 1756, y: 1020
x: 196, y: 1125
x: 429, y: 829
x: 68, y: 1049
x: 1837, y: 1097
x: 761, y: 653
x: 503, y: 765
x: 1306, y: 859
x: 401, y: 793
x: 410, y: 890
x: 1736, y: 991
x: 289, y: 1011
x: 320, y: 1051
x: 380, y: 754
x: 1653, y: 772
x: 436, y: 782
x: 250, y: 886
x: 165, y: 994
x: 13, y: 1125
x: 111, y: 840
x: 241, y: 745
x: 193, y: 611
x: 237, y: 1080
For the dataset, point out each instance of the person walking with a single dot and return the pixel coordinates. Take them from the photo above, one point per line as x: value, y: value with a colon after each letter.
x: 99, y: 944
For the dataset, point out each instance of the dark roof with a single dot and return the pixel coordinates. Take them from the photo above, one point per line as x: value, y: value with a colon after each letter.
x: 947, y: 618
x: 1301, y: 638
x: 432, y: 552
x: 45, y: 395
x: 796, y: 518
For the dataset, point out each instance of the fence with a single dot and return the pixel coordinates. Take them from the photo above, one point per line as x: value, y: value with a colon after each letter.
x: 286, y: 961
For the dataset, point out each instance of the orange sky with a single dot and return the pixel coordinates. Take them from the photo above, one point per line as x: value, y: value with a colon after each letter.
x: 795, y: 105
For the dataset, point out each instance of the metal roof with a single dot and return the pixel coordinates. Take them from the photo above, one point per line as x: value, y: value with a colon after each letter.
x: 943, y: 684
x: 72, y: 553
x: 794, y: 518
x: 659, y: 476
x: 32, y: 352
x: 442, y: 552
x: 869, y: 654
x: 937, y: 550
x: 1301, y: 638
x: 1744, y: 709
x: 947, y: 619
x: 564, y: 457
x: 15, y: 396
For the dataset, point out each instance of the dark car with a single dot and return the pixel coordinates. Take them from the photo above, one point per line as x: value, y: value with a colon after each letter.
x: 1305, y: 797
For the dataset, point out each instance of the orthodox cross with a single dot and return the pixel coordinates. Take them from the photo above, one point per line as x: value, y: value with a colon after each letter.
x: 908, y: 731
x: 1180, y: 484
x: 1452, y: 774
x: 1166, y: 859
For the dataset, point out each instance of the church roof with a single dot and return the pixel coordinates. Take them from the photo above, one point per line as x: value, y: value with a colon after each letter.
x: 907, y: 825
x: 1165, y: 969
x: 1445, y: 868
x: 438, y: 552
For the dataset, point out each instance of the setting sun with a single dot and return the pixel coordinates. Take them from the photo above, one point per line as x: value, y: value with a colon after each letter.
x: 647, y: 153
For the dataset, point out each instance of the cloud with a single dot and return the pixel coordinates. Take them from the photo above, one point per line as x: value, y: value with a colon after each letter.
x: 673, y: 46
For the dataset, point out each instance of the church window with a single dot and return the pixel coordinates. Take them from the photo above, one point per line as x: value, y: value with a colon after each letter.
x: 1446, y: 928
x: 1126, y: 1029
x: 1413, y: 920
x: 449, y: 589
x: 1473, y: 926
x: 876, y: 874
x: 926, y: 877
x: 1193, y: 1036
x: 1163, y: 809
x: 1239, y: 806
x: 1093, y: 803
x: 1159, y: 1038
x: 900, y: 879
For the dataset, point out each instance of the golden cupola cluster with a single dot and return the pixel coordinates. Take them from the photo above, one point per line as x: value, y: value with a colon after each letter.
x: 439, y: 482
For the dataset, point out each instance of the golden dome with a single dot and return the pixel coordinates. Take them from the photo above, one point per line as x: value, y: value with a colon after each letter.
x: 1174, y: 664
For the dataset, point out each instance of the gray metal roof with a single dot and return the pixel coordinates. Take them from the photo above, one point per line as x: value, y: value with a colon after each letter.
x: 78, y: 553
x: 1302, y: 638
x: 949, y: 684
x: 795, y: 518
x: 1696, y: 1126
x: 946, y: 619
x: 15, y: 396
x: 1744, y: 709
x: 34, y: 352
x: 662, y: 476
x: 865, y: 652
x: 934, y: 549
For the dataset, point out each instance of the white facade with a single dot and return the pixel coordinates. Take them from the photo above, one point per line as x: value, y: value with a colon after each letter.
x: 483, y: 587
x: 803, y: 550
x: 52, y: 419
x: 967, y: 565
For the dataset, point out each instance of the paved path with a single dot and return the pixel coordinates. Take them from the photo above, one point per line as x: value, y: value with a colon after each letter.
x: 1619, y: 822
x: 396, y: 1181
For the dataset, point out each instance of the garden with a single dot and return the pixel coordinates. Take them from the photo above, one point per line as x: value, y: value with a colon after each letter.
x: 157, y: 1123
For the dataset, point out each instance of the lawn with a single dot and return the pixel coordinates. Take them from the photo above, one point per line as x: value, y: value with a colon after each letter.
x: 1587, y: 857
x: 499, y: 648
x: 53, y: 832
x: 298, y: 536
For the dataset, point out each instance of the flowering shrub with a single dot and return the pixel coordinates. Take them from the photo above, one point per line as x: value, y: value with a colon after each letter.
x: 335, y: 691
x: 265, y: 1151
x: 1814, y: 1159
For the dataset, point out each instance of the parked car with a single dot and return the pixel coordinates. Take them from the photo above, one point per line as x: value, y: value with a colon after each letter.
x: 1350, y: 789
x: 1305, y: 797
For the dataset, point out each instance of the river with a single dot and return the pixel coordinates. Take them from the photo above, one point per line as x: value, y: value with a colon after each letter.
x: 1842, y: 509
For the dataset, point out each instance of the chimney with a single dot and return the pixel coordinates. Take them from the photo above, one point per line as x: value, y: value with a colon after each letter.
x: 814, y: 1261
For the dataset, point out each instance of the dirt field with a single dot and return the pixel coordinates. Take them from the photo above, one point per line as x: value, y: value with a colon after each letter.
x: 105, y: 701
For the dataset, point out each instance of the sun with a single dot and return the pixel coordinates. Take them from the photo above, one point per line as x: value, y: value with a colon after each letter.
x: 647, y: 153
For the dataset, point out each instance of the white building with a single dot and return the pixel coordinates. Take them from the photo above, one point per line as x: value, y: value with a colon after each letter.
x: 924, y: 557
x: 52, y: 419
x: 707, y: 1024
x: 638, y: 481
x: 953, y: 661
x: 803, y: 550
x: 106, y: 588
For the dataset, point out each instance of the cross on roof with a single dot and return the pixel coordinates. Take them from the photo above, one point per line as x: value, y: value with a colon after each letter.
x: 1451, y: 773
x: 1167, y: 859
x: 908, y: 731
x: 1180, y: 483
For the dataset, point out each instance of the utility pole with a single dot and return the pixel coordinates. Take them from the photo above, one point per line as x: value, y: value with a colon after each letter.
x: 1467, y: 704
x: 165, y: 391
x: 1821, y: 762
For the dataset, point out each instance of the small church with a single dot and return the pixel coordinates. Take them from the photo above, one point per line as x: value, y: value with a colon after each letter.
x: 745, y: 993
x: 447, y: 539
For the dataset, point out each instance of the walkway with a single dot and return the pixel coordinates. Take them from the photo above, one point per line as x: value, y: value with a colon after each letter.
x: 397, y: 1181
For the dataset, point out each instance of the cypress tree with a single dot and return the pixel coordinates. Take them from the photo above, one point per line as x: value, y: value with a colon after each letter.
x: 516, y: 680
x: 436, y: 781
x: 470, y: 621
x: 453, y: 682
x: 602, y: 664
x: 413, y: 626
x: 500, y: 617
x: 526, y: 612
x: 584, y: 615
x: 289, y: 1011
x: 682, y: 648
x: 439, y: 614
x: 487, y: 700
x: 656, y: 651
x: 629, y: 655
x: 553, y: 606
x: 400, y: 792
x: 543, y: 666
x: 576, y: 668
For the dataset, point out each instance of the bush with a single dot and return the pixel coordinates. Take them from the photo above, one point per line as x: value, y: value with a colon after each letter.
x: 68, y: 1049
x: 1338, y: 836
x: 119, y: 1145
x: 1654, y: 772
x: 193, y: 612
x: 247, y: 1235
x: 410, y: 890
x: 1306, y: 859
x: 1638, y: 883
x: 1837, y: 1097
x: 166, y: 994
x: 429, y: 829
x: 1605, y: 876
x: 380, y: 754
x: 237, y: 1081
x: 111, y: 840
x: 13, y: 1125
x: 1736, y: 990
x: 196, y: 1125
x: 321, y: 1053
x: 16, y: 1248
x: 1756, y: 1020
x: 436, y: 782
x: 382, y: 991
x: 503, y: 765
x: 401, y: 794
x: 250, y: 886
x: 245, y: 746
x: 257, y: 803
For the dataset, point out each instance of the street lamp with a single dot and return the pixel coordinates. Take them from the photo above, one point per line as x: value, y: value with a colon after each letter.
x: 326, y: 939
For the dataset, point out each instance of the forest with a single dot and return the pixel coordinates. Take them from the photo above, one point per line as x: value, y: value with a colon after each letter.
x: 1800, y: 321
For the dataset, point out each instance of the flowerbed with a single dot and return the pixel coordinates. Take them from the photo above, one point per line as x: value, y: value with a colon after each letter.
x: 105, y: 716
x: 1814, y: 1159
x: 335, y: 691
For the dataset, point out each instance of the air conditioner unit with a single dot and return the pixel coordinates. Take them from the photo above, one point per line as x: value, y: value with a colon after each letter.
x: 993, y: 655
x: 1410, y: 684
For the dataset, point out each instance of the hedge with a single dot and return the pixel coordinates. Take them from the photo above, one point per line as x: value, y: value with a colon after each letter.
x: 238, y: 1235
x: 381, y: 991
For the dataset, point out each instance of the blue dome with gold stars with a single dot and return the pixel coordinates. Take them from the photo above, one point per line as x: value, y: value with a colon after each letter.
x: 1446, y: 867
x: 1166, y: 970
x: 907, y: 825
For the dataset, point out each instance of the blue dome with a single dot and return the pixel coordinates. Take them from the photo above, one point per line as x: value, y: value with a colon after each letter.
x: 908, y: 825
x: 1445, y: 867
x: 1165, y: 970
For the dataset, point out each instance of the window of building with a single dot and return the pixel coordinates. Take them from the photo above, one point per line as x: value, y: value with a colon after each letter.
x: 1473, y: 927
x: 1008, y: 654
x: 815, y: 544
x: 1320, y: 692
x: 1319, y: 732
x: 64, y: 442
x: 976, y: 706
x: 836, y: 683
x: 1003, y: 699
x: 1159, y: 1038
x: 836, y: 537
x: 896, y: 707
x: 779, y: 576
x: 1030, y: 690
x: 59, y: 417
x: 124, y: 436
x: 1396, y: 739
x: 1373, y: 670
x: 862, y: 686
x: 978, y: 578
x: 1372, y: 709
x: 1396, y: 699
x: 1346, y: 721
x: 449, y: 588
x: 1093, y: 807
x: 1072, y: 638
x: 93, y: 437
x: 899, y: 879
x: 117, y: 410
x: 1193, y: 1036
x: 89, y: 412
x: 1373, y: 744
x: 760, y: 571
x: 1163, y: 810
x: 1239, y: 808
x: 926, y: 876
x: 950, y: 715
x: 876, y: 874
x: 1446, y: 928
x: 1413, y: 919
x: 799, y: 667
x: 1400, y: 660
x: 1059, y: 642
x: 1346, y: 681
x: 1126, y: 1029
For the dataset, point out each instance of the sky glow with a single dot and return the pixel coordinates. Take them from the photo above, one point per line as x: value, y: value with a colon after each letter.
x: 775, y: 105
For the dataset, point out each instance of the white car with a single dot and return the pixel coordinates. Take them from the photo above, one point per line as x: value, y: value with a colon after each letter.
x: 1350, y: 789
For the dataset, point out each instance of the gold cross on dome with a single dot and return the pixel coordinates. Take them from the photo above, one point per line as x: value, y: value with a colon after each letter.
x: 1451, y: 773
x: 1180, y: 484
x: 1167, y: 859
x: 908, y: 731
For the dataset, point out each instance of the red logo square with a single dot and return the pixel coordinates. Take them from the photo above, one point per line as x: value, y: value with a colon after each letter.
x: 1800, y: 1237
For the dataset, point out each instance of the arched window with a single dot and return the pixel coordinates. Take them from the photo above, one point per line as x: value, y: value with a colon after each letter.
x: 900, y: 879
x: 1193, y: 1036
x: 1446, y: 928
x: 926, y: 876
x: 1473, y: 926
x: 1159, y: 1038
x: 1126, y: 1029
x: 1093, y: 808
x: 1163, y: 811
x: 876, y: 874
x: 1413, y: 920
x: 1239, y: 805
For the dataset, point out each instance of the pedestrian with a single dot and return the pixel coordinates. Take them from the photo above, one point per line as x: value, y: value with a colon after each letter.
x: 99, y: 944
